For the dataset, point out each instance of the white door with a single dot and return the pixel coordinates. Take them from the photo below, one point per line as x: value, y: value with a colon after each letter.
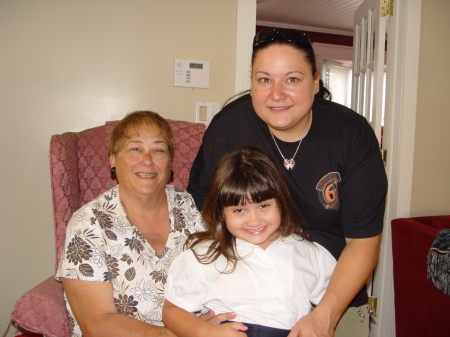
x: 369, y: 42
x: 402, y: 63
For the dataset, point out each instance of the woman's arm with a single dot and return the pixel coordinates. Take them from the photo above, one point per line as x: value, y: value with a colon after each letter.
x: 187, y: 324
x: 354, y: 267
x: 92, y: 304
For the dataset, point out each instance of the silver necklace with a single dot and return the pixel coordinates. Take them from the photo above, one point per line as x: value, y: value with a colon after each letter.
x: 288, y: 163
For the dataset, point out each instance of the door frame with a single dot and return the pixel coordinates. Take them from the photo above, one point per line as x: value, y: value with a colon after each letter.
x: 245, y: 31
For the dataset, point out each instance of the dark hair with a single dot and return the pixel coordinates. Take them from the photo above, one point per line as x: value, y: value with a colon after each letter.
x: 291, y: 37
x: 241, y: 176
x: 323, y: 92
x: 129, y: 126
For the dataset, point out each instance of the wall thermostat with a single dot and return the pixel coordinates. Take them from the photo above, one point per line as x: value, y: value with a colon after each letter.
x: 191, y: 74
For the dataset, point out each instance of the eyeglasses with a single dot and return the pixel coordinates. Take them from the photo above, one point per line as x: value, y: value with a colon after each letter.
x: 280, y: 34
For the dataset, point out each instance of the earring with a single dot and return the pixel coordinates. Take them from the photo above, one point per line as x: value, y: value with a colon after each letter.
x: 113, y: 170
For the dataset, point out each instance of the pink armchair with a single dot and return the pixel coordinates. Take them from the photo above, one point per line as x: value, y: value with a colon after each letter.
x: 79, y: 166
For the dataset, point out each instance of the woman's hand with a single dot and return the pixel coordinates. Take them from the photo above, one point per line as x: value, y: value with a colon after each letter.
x: 315, y: 324
x: 188, y: 324
x: 231, y: 329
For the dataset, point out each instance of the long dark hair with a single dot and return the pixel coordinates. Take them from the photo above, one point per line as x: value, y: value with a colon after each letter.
x: 241, y: 176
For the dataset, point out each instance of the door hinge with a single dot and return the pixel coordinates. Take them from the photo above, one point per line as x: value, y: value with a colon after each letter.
x: 372, y: 303
x: 383, y: 155
x: 386, y: 7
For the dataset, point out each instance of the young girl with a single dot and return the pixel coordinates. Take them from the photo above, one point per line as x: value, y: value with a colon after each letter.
x: 254, y: 259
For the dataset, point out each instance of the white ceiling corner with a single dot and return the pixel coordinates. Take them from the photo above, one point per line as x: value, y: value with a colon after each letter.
x: 325, y: 16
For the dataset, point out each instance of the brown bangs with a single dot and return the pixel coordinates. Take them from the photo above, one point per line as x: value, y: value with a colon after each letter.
x: 244, y: 186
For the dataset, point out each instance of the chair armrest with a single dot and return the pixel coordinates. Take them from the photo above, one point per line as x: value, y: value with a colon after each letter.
x: 42, y: 310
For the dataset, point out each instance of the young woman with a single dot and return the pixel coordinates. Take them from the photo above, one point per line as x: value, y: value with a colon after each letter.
x: 331, y: 162
x: 254, y: 259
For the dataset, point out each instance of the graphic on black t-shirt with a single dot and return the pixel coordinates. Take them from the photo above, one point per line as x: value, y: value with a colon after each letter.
x: 327, y: 189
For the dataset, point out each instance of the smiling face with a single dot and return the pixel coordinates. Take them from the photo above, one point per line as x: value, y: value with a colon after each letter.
x: 257, y: 223
x: 283, y: 89
x: 143, y: 164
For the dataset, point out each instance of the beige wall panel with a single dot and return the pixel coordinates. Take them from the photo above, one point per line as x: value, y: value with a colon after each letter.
x: 71, y: 65
x: 432, y: 141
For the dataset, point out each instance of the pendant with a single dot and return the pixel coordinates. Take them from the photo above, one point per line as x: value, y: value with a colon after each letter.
x: 289, y: 163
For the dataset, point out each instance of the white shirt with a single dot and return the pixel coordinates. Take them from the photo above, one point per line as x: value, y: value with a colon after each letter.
x: 273, y: 287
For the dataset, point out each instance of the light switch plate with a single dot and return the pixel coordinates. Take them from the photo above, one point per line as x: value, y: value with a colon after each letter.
x: 205, y: 111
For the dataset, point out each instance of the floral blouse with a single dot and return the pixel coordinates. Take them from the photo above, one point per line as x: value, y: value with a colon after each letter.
x: 103, y: 245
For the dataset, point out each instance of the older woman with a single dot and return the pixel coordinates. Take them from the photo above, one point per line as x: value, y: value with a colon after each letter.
x: 120, y: 245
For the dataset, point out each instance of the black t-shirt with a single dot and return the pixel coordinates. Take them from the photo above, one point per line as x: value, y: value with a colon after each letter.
x: 338, y: 183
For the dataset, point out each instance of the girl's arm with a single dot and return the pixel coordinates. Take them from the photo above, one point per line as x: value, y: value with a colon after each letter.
x: 187, y: 324
x: 356, y: 263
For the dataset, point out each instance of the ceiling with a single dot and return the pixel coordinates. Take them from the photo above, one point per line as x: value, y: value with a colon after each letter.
x: 325, y: 16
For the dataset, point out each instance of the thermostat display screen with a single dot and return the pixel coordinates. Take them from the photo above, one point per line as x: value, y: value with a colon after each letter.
x: 196, y: 65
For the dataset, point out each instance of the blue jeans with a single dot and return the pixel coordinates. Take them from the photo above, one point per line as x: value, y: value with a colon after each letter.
x: 255, y: 330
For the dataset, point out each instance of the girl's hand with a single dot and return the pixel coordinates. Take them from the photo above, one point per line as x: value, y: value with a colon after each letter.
x: 313, y: 325
x: 214, y: 319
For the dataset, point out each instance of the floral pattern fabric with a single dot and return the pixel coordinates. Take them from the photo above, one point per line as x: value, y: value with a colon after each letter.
x: 102, y: 245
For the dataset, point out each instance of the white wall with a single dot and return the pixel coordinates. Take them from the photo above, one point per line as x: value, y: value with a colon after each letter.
x: 71, y: 65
